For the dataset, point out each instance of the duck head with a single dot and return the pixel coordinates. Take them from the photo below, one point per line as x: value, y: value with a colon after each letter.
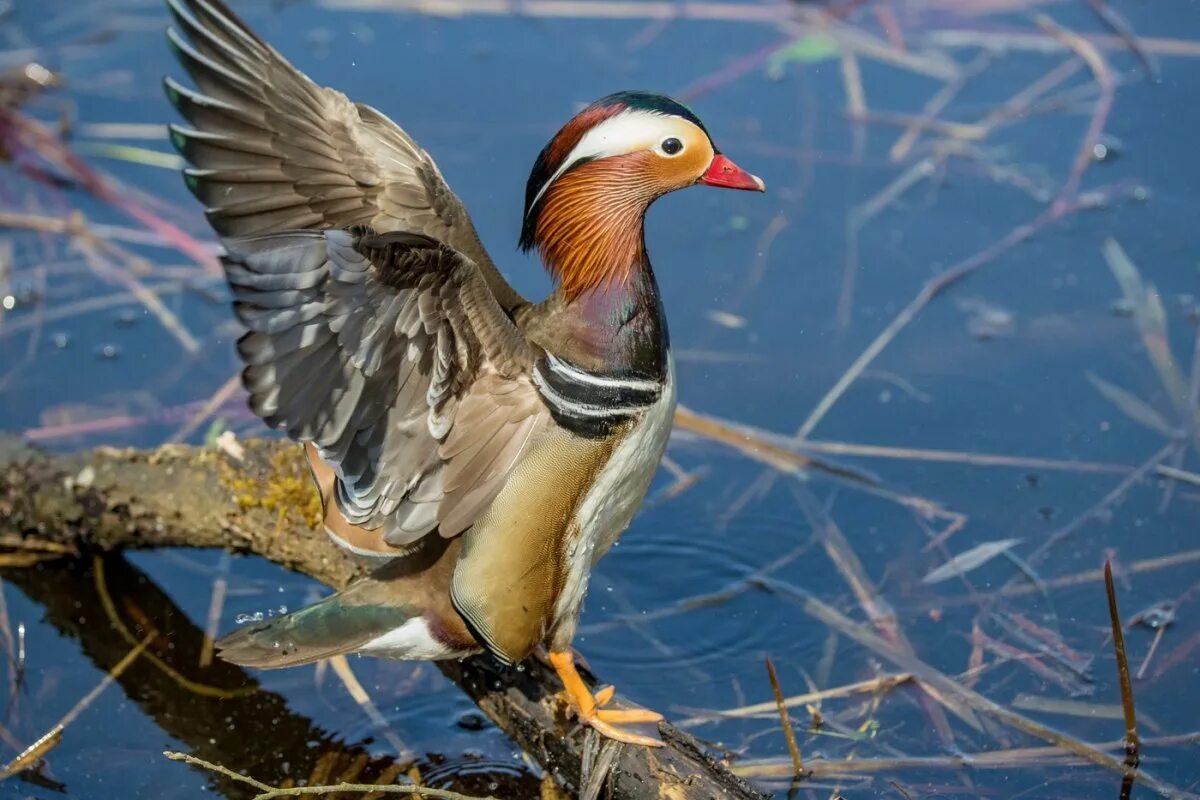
x: 587, y: 195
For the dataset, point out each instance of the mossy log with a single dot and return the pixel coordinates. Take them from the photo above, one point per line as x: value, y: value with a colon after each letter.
x: 263, y: 504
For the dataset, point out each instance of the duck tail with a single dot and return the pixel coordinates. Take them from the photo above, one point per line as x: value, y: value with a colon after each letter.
x: 330, y: 627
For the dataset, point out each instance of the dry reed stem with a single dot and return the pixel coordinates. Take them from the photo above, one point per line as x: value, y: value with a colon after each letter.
x: 1151, y: 320
x: 850, y: 567
x: 861, y: 214
x: 91, y: 246
x: 341, y: 668
x: 990, y: 459
x: 1104, y: 81
x: 32, y: 754
x: 1120, y: 26
x: 1041, y: 42
x: 780, y: 453
x: 1008, y: 654
x: 1010, y: 758
x: 1140, y: 567
x: 865, y: 44
x: 1193, y: 401
x: 856, y: 95
x: 757, y: 446
x: 696, y: 602
x: 1075, y: 708
x: 86, y: 306
x: 870, y: 600
x: 107, y: 270
x: 1065, y: 203
x: 1113, y: 496
x: 105, y: 231
x: 1020, y: 103
x: 1132, y: 744
x: 39, y: 139
x: 267, y: 792
x: 219, y: 398
x: 216, y: 603
x: 784, y: 722
x: 794, y: 19
x: 947, y: 689
x: 932, y: 288
x: 962, y: 131
x: 934, y: 106
x: 883, y: 683
x: 1154, y: 643
x: 730, y: 72
x: 106, y: 681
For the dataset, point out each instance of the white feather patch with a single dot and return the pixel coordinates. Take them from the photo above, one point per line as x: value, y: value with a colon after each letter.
x: 611, y: 503
x: 628, y: 132
x: 411, y: 641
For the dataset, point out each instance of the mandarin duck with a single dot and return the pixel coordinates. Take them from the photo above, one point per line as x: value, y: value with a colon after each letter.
x: 485, y: 450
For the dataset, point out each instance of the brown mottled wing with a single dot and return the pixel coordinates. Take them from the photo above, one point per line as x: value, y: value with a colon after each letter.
x: 389, y: 353
x: 273, y: 151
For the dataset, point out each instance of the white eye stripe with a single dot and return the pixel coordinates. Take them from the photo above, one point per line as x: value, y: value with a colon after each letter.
x: 627, y: 132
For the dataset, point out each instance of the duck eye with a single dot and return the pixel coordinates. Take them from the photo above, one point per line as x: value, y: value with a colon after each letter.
x: 671, y: 146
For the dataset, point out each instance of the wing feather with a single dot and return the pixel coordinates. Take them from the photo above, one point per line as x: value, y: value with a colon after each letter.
x: 272, y: 151
x: 389, y: 353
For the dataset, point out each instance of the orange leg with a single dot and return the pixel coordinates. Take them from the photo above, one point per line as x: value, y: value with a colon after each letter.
x: 588, y: 706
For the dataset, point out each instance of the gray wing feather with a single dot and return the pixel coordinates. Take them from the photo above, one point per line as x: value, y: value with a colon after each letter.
x: 273, y: 151
x: 388, y: 352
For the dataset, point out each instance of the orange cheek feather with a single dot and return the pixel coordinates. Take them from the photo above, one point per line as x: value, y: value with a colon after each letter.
x: 589, y: 228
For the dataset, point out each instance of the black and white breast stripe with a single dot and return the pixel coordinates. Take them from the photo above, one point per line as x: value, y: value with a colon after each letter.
x: 592, y: 403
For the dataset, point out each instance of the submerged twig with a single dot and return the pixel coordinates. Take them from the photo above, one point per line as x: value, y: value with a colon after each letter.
x: 266, y: 792
x: 1107, y: 86
x: 1073, y: 708
x: 950, y: 691
x: 341, y: 667
x: 1151, y: 320
x: 1117, y: 492
x: 1041, y: 42
x: 934, y: 287
x: 1121, y: 27
x: 934, y: 106
x: 48, y: 741
x: 1142, y: 566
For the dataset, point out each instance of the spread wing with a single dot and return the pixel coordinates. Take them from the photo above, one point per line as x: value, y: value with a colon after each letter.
x: 274, y: 151
x: 389, y: 354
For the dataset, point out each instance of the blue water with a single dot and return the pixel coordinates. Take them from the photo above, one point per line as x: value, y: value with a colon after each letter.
x: 482, y: 94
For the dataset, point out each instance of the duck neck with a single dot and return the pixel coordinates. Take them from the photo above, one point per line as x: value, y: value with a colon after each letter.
x: 605, y: 312
x: 615, y: 328
x: 618, y: 327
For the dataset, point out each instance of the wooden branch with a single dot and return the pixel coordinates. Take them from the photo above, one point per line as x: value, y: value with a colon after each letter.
x: 180, y: 496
